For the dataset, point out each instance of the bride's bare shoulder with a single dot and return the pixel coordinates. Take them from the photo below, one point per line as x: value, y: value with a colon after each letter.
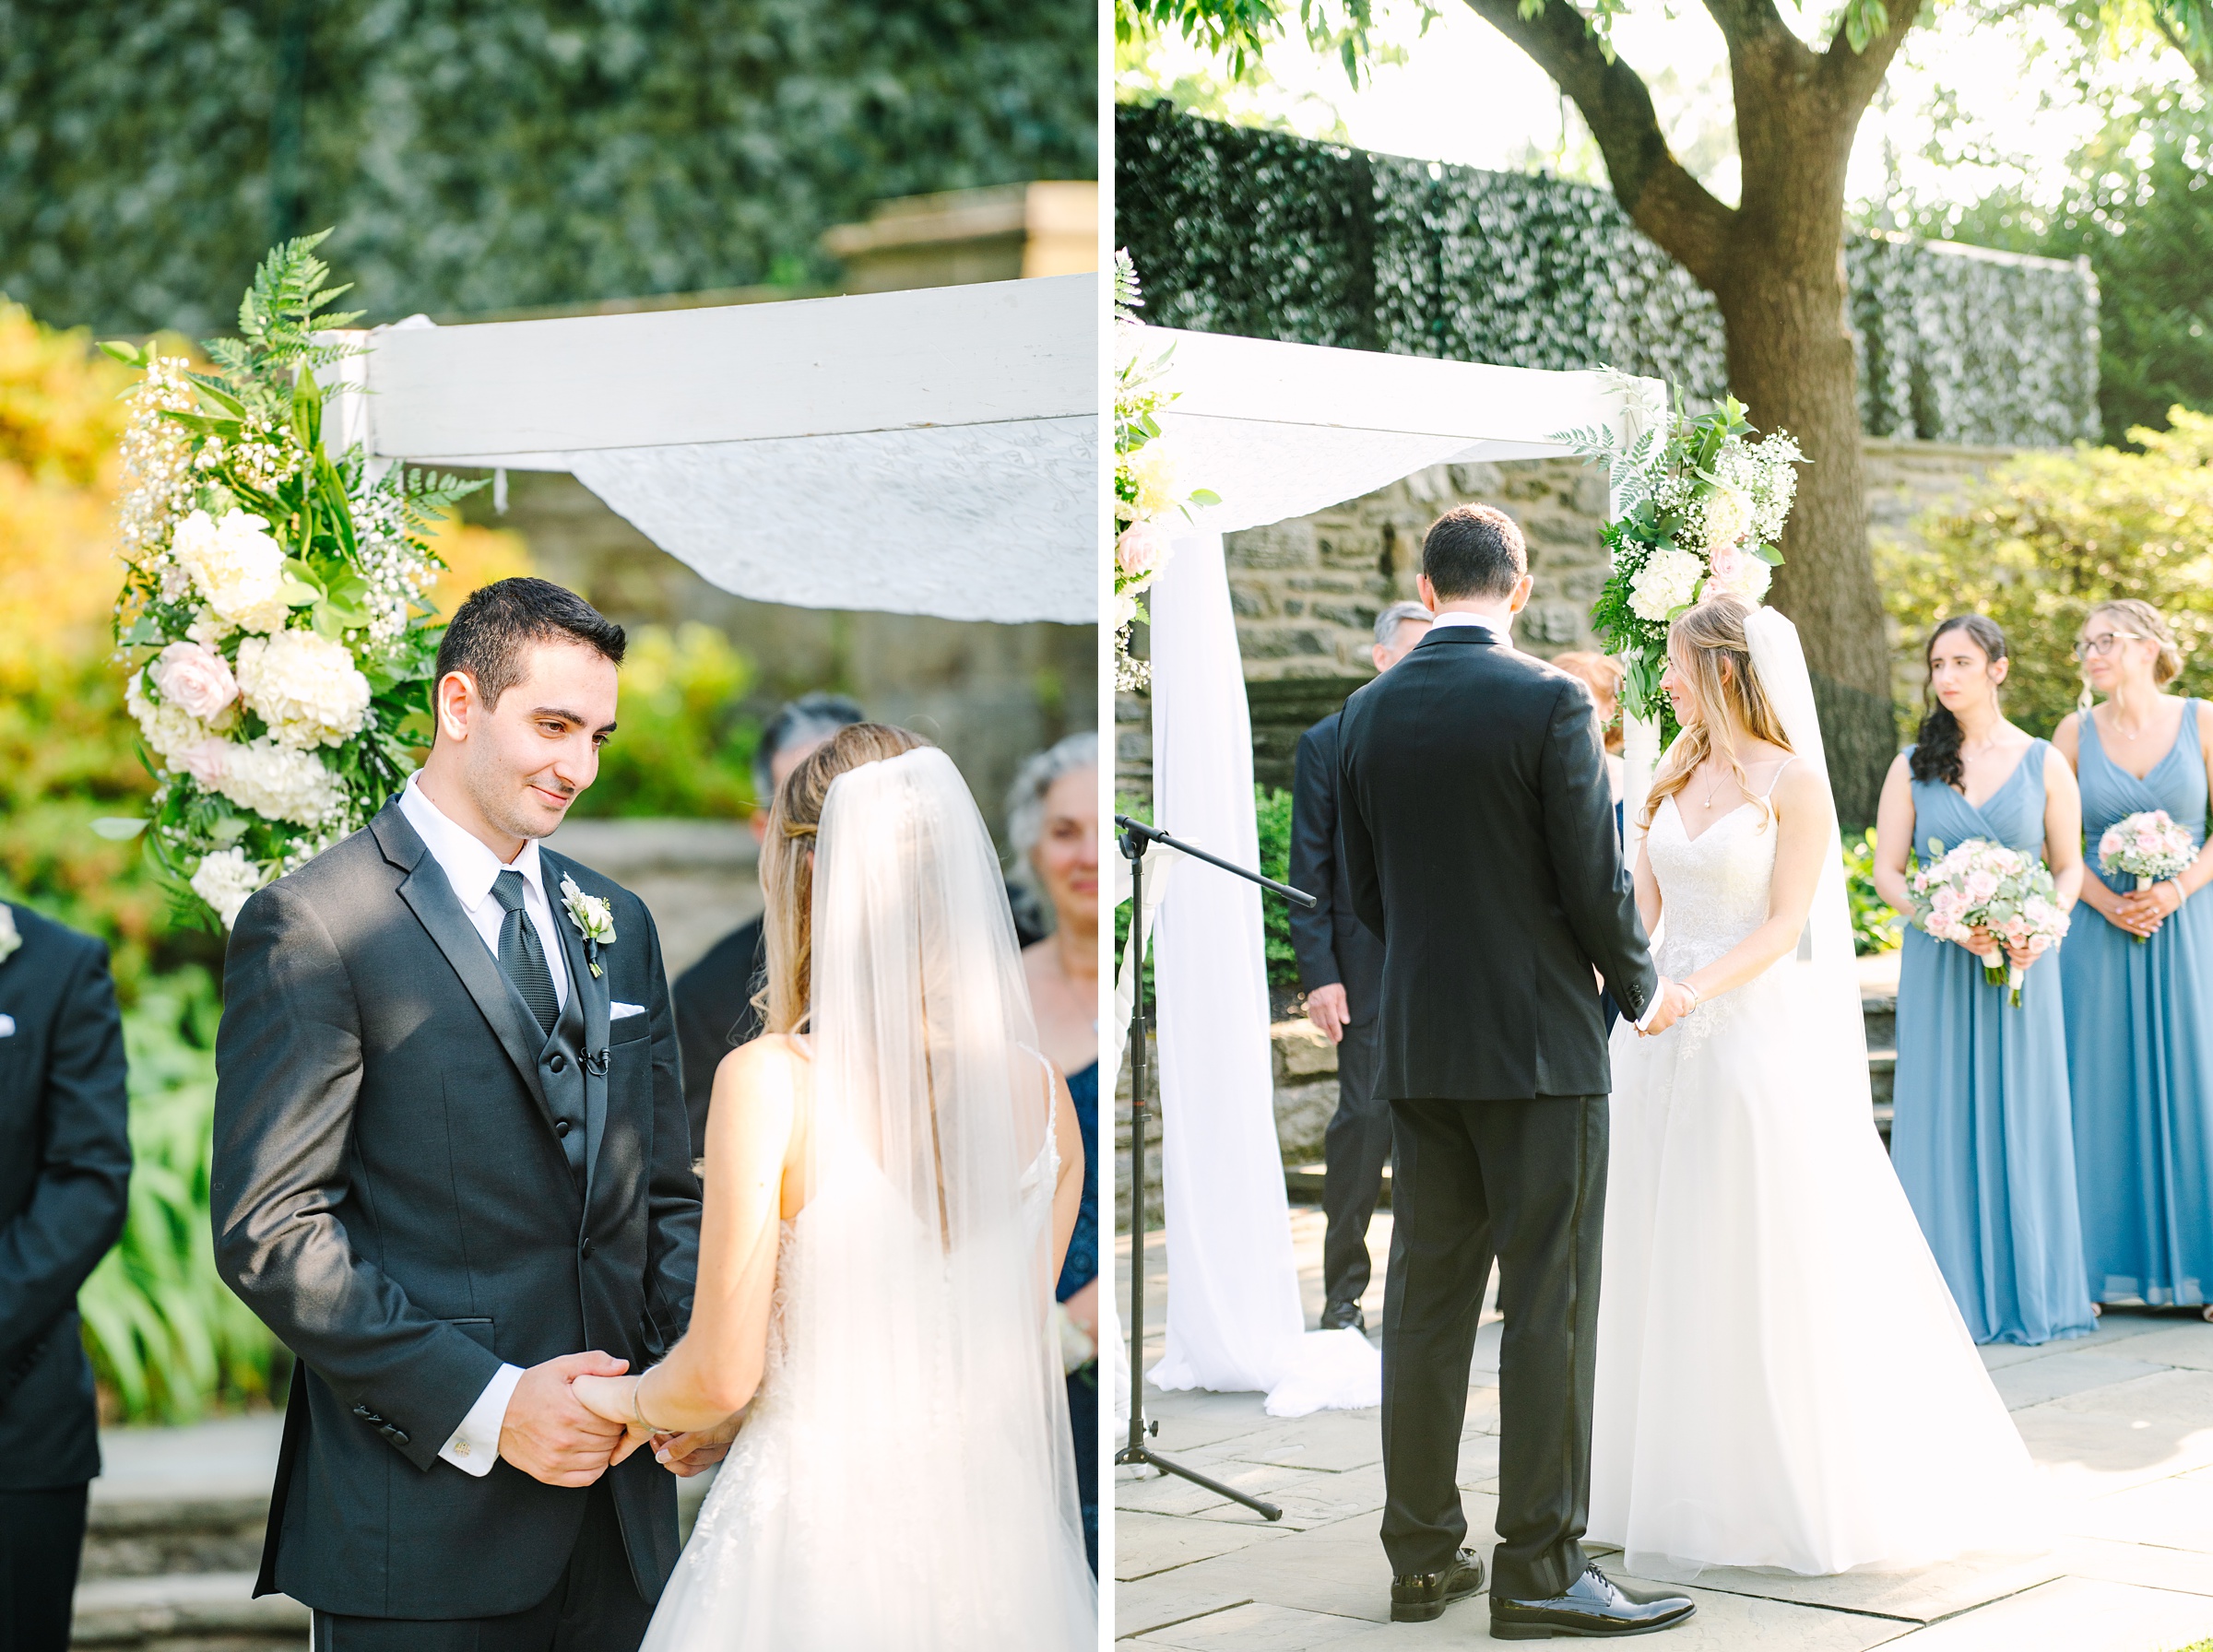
x: 767, y: 1072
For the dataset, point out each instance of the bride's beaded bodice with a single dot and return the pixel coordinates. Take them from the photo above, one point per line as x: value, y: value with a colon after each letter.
x: 1713, y: 887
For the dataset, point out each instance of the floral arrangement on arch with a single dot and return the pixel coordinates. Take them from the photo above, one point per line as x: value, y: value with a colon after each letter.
x: 1703, y: 501
x: 271, y: 617
x: 1146, y: 486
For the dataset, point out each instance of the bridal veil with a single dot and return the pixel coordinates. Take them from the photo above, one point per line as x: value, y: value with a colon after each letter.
x: 907, y: 1482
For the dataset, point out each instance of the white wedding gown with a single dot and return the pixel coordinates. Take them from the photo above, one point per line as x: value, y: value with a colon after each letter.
x: 1783, y: 1381
x: 905, y: 1479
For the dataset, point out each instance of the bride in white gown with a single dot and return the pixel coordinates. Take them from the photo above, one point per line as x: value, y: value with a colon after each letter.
x: 1783, y: 1381
x: 891, y: 1174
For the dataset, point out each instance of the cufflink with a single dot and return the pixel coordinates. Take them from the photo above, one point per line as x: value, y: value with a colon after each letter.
x: 460, y: 1447
x: 8, y: 1026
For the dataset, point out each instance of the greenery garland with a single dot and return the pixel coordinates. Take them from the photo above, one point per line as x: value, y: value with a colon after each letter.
x: 1702, y: 504
x: 271, y: 617
x: 1145, y: 483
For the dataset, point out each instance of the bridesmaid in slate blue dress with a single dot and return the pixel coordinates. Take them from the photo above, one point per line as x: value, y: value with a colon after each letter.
x: 1980, y: 1134
x: 2141, y: 1015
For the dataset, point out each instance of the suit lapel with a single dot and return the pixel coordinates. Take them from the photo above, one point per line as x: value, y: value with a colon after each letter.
x: 438, y: 909
x: 592, y: 995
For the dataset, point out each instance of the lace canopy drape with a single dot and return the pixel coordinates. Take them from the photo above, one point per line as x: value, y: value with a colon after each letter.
x: 1276, y: 430
x: 933, y: 452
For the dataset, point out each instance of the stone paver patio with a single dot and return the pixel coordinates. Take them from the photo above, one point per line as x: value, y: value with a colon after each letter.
x: 2121, y: 1424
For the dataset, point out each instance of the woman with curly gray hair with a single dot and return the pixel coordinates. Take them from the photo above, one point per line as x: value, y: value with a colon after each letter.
x: 1053, y: 819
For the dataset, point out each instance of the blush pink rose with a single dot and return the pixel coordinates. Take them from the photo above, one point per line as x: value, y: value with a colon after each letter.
x: 205, y: 760
x: 1141, y: 549
x: 1980, y: 885
x: 196, y: 680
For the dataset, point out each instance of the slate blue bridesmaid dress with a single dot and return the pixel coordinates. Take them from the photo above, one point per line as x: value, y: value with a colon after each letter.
x: 1979, y: 1134
x: 2140, y: 1052
x: 1078, y: 1270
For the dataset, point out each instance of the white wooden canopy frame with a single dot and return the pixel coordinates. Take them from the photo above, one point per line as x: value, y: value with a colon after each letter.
x: 1277, y: 431
x: 928, y: 452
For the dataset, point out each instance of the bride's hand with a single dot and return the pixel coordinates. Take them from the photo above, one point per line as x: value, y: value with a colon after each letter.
x: 615, y: 1398
x: 688, y: 1454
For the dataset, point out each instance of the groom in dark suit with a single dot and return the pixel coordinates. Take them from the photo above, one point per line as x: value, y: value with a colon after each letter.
x: 453, y: 1173
x: 1479, y: 845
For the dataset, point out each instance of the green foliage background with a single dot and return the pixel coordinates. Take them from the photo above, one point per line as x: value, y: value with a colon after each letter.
x: 2044, y: 537
x: 1273, y: 236
x: 478, y: 158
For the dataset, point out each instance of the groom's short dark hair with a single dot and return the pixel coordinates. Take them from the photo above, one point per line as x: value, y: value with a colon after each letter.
x: 1473, y: 551
x: 490, y: 630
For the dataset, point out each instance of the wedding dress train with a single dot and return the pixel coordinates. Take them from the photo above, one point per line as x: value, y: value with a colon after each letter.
x: 1783, y: 1379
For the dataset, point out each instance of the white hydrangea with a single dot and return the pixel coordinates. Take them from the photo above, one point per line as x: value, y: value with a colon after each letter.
x: 1159, y: 483
x: 170, y: 730
x: 304, y: 686
x: 237, y: 565
x: 224, y: 879
x: 1668, y: 581
x: 1727, y: 513
x: 279, y: 783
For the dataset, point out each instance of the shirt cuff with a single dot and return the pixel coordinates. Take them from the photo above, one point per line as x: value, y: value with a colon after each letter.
x: 476, y: 1444
x: 1644, y: 1020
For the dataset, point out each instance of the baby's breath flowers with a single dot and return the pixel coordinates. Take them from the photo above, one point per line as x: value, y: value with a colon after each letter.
x: 272, y: 620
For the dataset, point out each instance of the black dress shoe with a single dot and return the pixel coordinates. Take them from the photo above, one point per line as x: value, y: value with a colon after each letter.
x: 1417, y: 1596
x: 1342, y: 1315
x: 1594, y: 1605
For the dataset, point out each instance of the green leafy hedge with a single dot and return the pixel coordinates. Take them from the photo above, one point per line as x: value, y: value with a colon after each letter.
x: 1270, y: 236
x: 478, y: 158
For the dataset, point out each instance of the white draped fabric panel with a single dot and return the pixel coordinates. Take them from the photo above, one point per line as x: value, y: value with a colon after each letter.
x: 933, y: 452
x: 1276, y: 431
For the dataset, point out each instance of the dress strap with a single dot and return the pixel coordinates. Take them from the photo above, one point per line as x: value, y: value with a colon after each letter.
x: 1774, y: 779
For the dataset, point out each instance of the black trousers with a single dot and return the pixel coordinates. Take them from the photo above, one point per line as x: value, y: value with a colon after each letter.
x: 42, y: 1543
x: 1523, y: 1182
x: 1355, y: 1149
x: 594, y: 1608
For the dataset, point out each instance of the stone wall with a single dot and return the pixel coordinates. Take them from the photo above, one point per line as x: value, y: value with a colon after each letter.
x: 1307, y: 591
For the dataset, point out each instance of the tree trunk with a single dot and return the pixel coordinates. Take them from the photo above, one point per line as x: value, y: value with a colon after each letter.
x: 1775, y: 265
x: 1791, y: 363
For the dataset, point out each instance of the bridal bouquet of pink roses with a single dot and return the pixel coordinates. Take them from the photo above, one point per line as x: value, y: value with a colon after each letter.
x: 1982, y: 885
x: 2149, y: 846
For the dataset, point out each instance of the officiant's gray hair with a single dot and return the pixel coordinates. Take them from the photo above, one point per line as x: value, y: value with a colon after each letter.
x: 1025, y: 797
x: 1396, y: 615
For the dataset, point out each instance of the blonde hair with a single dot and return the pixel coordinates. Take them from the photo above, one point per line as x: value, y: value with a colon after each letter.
x: 1700, y: 644
x: 788, y: 864
x: 2148, y: 623
x: 1602, y: 676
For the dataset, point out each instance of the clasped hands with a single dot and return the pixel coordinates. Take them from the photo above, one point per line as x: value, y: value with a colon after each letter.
x: 1675, y: 1000
x: 2141, y: 911
x: 571, y: 1420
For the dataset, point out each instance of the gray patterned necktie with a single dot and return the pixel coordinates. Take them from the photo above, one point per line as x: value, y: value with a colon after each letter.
x: 522, y: 956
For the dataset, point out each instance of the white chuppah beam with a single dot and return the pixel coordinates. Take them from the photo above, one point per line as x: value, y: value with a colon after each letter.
x: 931, y: 452
x: 1276, y: 430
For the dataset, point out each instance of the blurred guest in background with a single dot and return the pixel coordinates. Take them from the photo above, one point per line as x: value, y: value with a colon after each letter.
x: 1601, y: 675
x: 1340, y: 967
x: 64, y: 1170
x: 1053, y: 822
x: 714, y: 998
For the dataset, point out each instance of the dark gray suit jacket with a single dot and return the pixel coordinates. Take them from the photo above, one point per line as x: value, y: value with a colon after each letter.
x: 1332, y: 944
x: 1479, y: 842
x: 411, y: 1185
x: 64, y: 1167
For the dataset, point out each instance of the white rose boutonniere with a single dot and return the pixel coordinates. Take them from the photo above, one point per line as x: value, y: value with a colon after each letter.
x: 594, y: 918
x: 10, y: 937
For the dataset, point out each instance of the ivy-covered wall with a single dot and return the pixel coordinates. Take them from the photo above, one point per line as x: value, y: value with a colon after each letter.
x: 482, y: 158
x: 1239, y: 231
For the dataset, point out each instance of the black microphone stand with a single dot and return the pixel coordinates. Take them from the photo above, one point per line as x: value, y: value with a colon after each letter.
x: 1135, y: 836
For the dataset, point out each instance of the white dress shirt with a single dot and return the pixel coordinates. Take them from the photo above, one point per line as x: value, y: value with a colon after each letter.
x: 471, y: 867
x: 1485, y: 623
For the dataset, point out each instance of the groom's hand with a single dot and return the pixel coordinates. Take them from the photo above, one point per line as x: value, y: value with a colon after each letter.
x: 1327, y: 1008
x: 548, y: 1433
